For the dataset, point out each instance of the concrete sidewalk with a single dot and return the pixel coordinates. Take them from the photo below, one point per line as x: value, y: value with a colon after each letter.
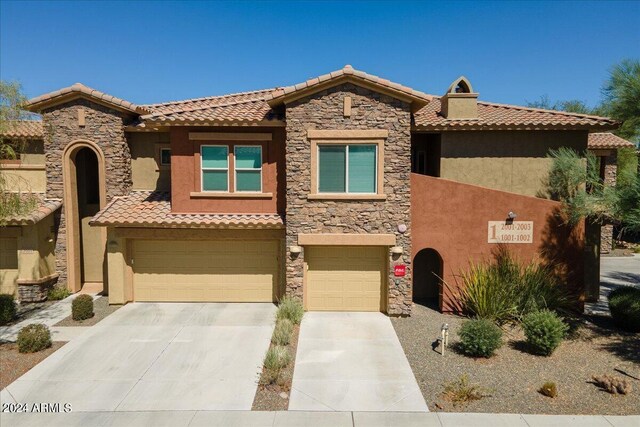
x: 319, y: 419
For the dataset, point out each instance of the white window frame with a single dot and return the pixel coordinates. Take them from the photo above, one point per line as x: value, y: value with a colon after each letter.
x: 160, y: 150
x: 346, y: 172
x: 202, y: 169
x: 236, y: 169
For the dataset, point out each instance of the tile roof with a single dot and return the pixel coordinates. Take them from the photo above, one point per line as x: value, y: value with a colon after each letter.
x: 153, y: 209
x: 345, y: 73
x: 42, y: 209
x: 244, y: 107
x: 502, y: 116
x: 607, y: 140
x: 42, y: 101
x: 31, y: 129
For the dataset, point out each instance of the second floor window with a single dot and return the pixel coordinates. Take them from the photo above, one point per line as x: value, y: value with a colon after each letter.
x: 215, y: 168
x: 347, y: 168
x: 248, y: 165
x: 239, y: 172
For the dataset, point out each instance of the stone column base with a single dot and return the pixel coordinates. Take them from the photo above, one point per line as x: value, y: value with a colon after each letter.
x: 35, y: 290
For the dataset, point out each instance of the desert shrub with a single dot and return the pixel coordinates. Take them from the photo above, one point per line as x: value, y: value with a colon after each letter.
x: 291, y: 309
x: 82, y: 307
x: 480, y: 338
x: 276, y: 359
x: 461, y: 391
x: 282, y: 332
x: 613, y: 385
x: 549, y: 389
x: 624, y: 305
x: 544, y: 331
x: 7, y: 308
x: 504, y: 290
x: 57, y: 293
x: 34, y: 337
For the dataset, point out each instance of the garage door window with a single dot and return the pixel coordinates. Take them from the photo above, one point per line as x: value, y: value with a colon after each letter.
x: 215, y: 167
x: 347, y: 168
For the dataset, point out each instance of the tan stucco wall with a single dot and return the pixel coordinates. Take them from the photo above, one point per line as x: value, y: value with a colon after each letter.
x: 35, y: 253
x: 514, y: 161
x: 8, y: 260
x: 146, y: 172
x: 24, y: 178
x: 116, y: 268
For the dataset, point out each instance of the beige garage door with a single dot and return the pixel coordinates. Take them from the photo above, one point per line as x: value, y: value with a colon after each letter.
x: 204, y: 271
x: 345, y: 278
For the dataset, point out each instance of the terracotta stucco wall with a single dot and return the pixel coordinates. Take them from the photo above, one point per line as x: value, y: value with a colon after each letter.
x: 185, y: 175
x: 514, y: 161
x: 369, y: 110
x: 146, y: 171
x: 452, y: 218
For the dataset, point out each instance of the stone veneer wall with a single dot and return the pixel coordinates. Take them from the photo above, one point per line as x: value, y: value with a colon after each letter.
x: 610, y: 176
x: 370, y: 110
x: 103, y: 126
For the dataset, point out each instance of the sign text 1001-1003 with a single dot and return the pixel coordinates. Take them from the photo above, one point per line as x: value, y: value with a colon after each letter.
x: 510, y: 232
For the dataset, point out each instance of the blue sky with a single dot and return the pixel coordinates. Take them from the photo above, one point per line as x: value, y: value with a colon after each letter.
x: 146, y: 52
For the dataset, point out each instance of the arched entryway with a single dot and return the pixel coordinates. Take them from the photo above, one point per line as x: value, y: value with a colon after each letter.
x: 427, y: 271
x: 84, y: 196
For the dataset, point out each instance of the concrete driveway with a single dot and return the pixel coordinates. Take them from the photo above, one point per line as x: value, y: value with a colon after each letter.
x: 148, y: 357
x: 352, y: 362
x: 614, y: 272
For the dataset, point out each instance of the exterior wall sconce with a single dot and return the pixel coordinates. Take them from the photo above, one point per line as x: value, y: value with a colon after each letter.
x: 295, y: 250
x: 511, y: 215
x: 397, y: 250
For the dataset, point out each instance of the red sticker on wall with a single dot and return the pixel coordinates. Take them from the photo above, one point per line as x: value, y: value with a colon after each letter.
x: 399, y: 270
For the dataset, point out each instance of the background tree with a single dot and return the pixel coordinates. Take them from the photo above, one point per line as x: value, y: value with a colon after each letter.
x: 11, y: 109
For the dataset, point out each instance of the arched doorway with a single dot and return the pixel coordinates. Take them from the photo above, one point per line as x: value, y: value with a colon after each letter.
x: 84, y: 196
x: 427, y: 271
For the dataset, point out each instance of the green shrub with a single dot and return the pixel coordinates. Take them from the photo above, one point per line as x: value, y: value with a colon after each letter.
x: 282, y: 332
x: 479, y: 338
x: 277, y: 358
x: 82, y: 307
x: 504, y: 290
x: 291, y: 309
x: 544, y: 331
x: 57, y: 293
x: 624, y: 305
x: 7, y: 308
x: 34, y: 337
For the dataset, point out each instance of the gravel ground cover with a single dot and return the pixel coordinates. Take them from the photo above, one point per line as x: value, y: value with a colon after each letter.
x: 273, y: 397
x: 14, y: 364
x: 513, y: 376
x: 101, y: 309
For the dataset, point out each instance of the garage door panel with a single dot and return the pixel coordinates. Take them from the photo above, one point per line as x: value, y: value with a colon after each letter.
x: 223, y: 271
x: 345, y: 278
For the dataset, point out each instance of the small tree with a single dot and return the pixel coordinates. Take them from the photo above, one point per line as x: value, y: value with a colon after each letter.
x: 11, y: 110
x: 584, y: 196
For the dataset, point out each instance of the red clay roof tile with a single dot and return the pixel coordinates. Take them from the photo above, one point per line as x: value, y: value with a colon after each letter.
x: 153, y: 209
x: 607, y: 140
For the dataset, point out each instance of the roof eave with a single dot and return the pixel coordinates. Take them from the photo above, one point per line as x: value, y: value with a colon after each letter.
x: 528, y: 126
x: 417, y: 102
x: 42, y: 102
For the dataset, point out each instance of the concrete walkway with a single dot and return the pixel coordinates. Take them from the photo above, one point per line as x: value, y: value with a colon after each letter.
x: 310, y: 419
x: 614, y: 272
x: 48, y: 316
x: 352, y: 362
x: 152, y: 357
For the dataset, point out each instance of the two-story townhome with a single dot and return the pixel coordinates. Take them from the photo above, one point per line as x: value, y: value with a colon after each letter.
x: 348, y: 191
